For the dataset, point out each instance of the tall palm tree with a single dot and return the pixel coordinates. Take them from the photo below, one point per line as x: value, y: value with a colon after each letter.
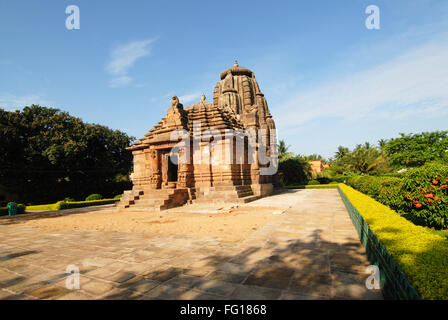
x: 341, y: 153
x: 367, y: 145
x: 283, y: 150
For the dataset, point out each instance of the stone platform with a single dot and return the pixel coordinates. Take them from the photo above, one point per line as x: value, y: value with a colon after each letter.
x: 309, y: 249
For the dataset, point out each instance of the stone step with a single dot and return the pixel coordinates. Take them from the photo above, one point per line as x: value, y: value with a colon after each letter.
x: 153, y: 199
x: 248, y: 199
x: 155, y: 196
x: 224, y: 200
x: 225, y: 194
x: 151, y: 202
x: 224, y: 188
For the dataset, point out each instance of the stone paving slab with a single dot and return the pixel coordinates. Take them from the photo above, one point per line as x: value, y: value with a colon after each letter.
x: 311, y: 251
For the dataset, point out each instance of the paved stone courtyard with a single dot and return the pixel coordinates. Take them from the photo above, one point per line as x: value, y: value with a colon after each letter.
x: 310, y: 251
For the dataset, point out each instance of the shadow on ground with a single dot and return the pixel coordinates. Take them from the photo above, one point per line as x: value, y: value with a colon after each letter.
x: 20, y: 218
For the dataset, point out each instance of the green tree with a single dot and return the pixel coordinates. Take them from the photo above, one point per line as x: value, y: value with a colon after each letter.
x: 294, y: 170
x: 314, y: 157
x: 414, y: 150
x: 382, y: 143
x: 283, y: 151
x: 364, y: 159
x: 341, y: 153
x: 48, y: 155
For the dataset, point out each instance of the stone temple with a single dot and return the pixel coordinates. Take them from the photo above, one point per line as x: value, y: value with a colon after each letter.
x: 223, y: 151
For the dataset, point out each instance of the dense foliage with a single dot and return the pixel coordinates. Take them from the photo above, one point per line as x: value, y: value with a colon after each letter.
x: 293, y: 169
x: 426, y: 192
x: 47, y: 155
x: 414, y: 150
x: 404, y: 152
x: 362, y: 159
x: 422, y: 255
x: 421, y: 194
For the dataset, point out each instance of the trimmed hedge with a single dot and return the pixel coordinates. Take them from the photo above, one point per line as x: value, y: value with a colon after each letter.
x: 61, y: 205
x: 82, y: 204
x: 421, y: 254
x: 45, y: 207
x: 421, y: 195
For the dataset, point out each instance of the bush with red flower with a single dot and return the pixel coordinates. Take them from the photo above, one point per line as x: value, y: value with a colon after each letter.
x: 425, y: 190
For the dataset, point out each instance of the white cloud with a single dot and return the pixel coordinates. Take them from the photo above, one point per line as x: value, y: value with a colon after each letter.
x: 415, y: 83
x: 13, y: 102
x: 192, y: 97
x: 124, y: 57
x: 120, y: 81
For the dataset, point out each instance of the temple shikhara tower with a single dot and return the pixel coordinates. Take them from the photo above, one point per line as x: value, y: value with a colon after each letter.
x: 223, y: 151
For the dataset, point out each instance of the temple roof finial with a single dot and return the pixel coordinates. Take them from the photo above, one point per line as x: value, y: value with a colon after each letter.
x: 202, y: 97
x: 235, y: 64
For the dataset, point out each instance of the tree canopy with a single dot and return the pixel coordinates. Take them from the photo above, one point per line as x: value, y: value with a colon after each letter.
x: 414, y: 150
x: 47, y: 154
x: 364, y: 158
x: 293, y: 169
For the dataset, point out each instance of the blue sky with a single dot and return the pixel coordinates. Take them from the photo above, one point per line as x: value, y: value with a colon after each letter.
x: 328, y: 80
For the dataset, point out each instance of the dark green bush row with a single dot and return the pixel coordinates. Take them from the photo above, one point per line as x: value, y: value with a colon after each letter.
x: 421, y: 194
x: 82, y: 204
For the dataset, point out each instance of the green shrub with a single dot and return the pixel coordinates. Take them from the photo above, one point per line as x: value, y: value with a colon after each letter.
x: 117, y: 197
x: 294, y: 170
x: 390, y: 193
x: 421, y: 194
x: 323, y: 180
x: 21, y: 208
x: 61, y: 205
x: 425, y: 190
x: 94, y: 196
x: 313, y: 182
x: 422, y: 255
x: 340, y: 179
x: 367, y: 185
x: 353, y: 181
x: 68, y: 199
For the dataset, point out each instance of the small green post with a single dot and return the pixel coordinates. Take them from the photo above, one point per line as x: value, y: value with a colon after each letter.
x: 12, y: 208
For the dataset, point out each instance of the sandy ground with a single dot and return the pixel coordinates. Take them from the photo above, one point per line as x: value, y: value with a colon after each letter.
x: 228, y: 224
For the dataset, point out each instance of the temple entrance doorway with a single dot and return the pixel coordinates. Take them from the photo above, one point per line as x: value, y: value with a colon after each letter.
x: 173, y: 167
x: 169, y: 169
